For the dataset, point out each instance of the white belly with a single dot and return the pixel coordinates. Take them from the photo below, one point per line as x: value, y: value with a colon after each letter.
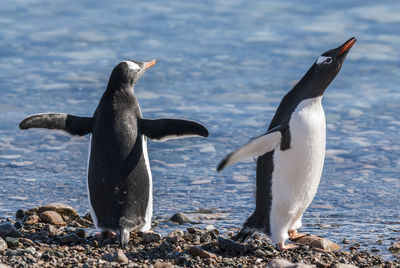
x: 297, y: 171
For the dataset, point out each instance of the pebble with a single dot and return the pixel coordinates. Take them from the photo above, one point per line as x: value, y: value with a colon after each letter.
x: 395, y: 248
x: 118, y: 256
x: 3, y: 244
x: 52, y: 217
x: 47, y: 245
x: 160, y: 264
x: 12, y: 242
x: 230, y: 245
x: 31, y: 219
x: 281, y: 263
x: 318, y: 242
x: 8, y: 229
x: 151, y: 237
x: 344, y: 265
x: 50, y: 230
x: 69, y: 238
x: 20, y: 214
x: 197, y: 251
x: 181, y: 218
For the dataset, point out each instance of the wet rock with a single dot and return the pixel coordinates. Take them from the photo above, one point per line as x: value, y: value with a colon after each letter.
x: 81, y: 233
x: 3, y: 244
x: 395, y: 248
x: 230, y: 245
x: 193, y: 230
x: 209, y: 227
x: 281, y: 263
x: 20, y: 214
x: 151, y: 237
x: 88, y: 217
x: 197, y: 251
x: 318, y: 242
x: 7, y: 229
x: 52, y: 217
x: 17, y: 225
x: 118, y: 256
x: 12, y: 242
x: 31, y: 219
x: 62, y: 209
x: 85, y: 223
x: 345, y: 241
x: 69, y: 238
x: 181, y: 218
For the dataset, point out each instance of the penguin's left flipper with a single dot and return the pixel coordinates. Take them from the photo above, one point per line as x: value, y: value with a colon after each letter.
x: 256, y: 147
x: 165, y: 129
x: 74, y: 125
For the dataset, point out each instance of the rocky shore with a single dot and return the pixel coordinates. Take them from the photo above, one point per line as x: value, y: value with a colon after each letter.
x: 56, y: 236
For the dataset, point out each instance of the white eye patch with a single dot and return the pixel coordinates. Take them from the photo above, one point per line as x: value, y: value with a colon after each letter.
x: 131, y: 65
x: 323, y: 59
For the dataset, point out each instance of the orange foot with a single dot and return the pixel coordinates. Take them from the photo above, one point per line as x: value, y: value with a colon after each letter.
x: 294, y: 235
x: 282, y: 246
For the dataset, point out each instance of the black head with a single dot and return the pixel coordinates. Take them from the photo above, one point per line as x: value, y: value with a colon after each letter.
x: 325, y: 68
x: 127, y: 73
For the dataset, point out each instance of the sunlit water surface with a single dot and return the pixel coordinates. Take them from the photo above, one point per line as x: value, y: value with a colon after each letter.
x: 226, y: 64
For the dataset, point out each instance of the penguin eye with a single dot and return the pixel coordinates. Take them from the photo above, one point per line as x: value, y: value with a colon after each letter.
x: 328, y: 60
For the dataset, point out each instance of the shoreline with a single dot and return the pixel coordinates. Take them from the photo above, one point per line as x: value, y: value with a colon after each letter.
x: 55, y: 235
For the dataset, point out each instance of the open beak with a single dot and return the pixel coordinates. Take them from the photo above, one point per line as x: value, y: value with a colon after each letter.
x: 347, y: 45
x: 149, y: 64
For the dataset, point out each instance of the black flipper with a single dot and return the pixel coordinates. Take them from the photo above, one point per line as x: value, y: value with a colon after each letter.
x: 164, y: 129
x: 74, y: 125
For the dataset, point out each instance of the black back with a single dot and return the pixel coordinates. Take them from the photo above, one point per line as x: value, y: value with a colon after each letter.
x: 117, y: 178
x: 312, y: 84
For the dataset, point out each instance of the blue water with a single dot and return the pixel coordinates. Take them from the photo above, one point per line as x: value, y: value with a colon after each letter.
x: 226, y: 64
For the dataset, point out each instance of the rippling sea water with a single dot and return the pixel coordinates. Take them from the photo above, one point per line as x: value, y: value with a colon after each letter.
x: 226, y: 64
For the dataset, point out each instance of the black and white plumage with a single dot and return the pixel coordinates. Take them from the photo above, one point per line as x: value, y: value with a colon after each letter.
x: 119, y: 176
x: 291, y: 154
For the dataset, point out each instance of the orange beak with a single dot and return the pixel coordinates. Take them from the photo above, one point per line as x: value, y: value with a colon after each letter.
x: 149, y: 64
x: 346, y: 46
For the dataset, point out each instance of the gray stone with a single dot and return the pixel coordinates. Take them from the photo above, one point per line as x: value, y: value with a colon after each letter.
x: 20, y: 214
x: 151, y: 237
x: 281, y: 263
x: 69, y: 238
x: 181, y: 218
x: 7, y: 229
x: 12, y: 242
x: 3, y: 244
x: 230, y: 245
x: 118, y: 256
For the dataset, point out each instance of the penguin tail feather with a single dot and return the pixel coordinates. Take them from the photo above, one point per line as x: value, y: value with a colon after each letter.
x: 244, y: 234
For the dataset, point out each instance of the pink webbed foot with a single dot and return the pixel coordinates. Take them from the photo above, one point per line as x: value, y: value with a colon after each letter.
x: 282, y: 246
x: 294, y: 235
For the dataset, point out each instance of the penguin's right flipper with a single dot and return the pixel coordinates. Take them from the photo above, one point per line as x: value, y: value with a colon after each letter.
x: 164, y: 129
x: 256, y: 147
x: 74, y: 125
